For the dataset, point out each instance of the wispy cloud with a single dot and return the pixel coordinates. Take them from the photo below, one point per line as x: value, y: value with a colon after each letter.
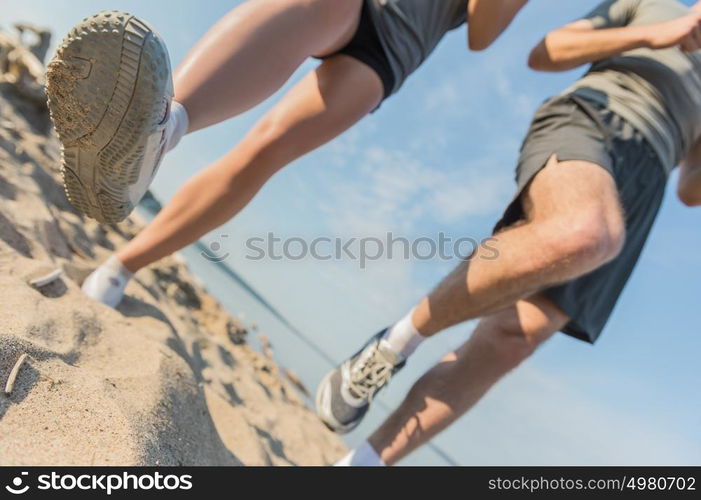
x: 394, y: 190
x: 444, y: 95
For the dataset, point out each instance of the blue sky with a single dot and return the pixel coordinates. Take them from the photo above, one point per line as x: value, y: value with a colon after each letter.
x: 439, y: 156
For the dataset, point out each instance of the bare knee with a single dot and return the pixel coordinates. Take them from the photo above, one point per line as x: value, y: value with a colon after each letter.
x: 588, y: 237
x: 510, y: 342
x: 268, y: 129
x: 261, y: 154
x: 577, y: 210
x: 515, y: 333
x: 266, y: 142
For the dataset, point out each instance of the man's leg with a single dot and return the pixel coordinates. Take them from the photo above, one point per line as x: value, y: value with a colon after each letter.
x: 254, y: 49
x: 323, y: 105
x: 573, y: 225
x: 441, y: 396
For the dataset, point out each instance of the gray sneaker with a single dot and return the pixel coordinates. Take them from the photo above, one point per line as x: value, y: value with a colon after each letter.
x: 344, y: 395
x: 110, y: 90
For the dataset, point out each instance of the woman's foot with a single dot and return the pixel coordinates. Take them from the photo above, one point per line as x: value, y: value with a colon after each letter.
x: 110, y: 91
x: 107, y: 283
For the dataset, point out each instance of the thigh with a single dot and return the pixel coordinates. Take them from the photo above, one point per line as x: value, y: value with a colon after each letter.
x: 566, y: 188
x: 318, y: 25
x: 324, y: 104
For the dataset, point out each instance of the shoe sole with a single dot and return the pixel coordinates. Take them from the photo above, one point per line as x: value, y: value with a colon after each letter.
x: 331, y: 423
x: 107, y: 92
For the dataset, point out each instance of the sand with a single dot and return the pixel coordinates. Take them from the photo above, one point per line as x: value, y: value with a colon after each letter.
x: 167, y: 379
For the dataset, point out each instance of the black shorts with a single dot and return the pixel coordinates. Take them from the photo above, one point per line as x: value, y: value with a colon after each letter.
x: 574, y: 128
x: 367, y: 48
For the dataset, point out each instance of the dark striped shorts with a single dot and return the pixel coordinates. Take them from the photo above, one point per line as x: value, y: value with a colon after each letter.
x: 574, y: 128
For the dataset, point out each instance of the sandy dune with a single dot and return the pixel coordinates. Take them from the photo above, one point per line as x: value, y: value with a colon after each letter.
x: 167, y: 379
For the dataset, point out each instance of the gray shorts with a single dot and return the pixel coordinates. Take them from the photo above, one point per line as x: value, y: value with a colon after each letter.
x: 409, y: 31
x: 366, y: 47
x: 578, y: 129
x: 394, y: 37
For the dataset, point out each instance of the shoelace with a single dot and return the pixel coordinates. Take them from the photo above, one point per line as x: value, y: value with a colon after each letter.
x: 371, y: 374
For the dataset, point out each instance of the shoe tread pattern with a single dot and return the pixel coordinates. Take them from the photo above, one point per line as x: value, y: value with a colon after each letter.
x: 106, y: 88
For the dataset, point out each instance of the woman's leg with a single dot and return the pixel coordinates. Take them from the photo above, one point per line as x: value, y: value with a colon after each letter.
x: 254, y: 49
x: 323, y: 105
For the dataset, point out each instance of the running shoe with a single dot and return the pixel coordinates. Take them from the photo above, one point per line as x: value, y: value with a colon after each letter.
x: 344, y: 395
x: 110, y: 89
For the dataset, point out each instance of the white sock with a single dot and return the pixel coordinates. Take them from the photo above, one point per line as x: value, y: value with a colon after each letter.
x: 177, y: 125
x: 107, y: 283
x: 363, y: 456
x: 403, y: 337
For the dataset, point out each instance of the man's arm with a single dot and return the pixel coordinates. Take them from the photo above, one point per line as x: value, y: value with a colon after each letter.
x: 581, y: 42
x: 488, y: 19
x: 689, y: 188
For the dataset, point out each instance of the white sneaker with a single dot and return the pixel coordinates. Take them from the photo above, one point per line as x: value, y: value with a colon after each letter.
x: 110, y: 89
x: 107, y: 283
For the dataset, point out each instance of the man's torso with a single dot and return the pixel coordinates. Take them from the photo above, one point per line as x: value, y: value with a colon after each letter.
x: 658, y: 91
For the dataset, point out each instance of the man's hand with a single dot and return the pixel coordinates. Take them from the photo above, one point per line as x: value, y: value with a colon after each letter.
x: 684, y: 32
